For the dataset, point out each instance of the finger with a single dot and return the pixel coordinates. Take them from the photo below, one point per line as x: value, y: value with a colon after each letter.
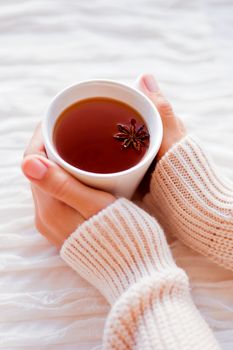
x: 181, y: 126
x: 56, y: 182
x: 49, y: 206
x: 36, y: 145
x: 34, y: 199
x: 149, y: 86
x: 54, y: 219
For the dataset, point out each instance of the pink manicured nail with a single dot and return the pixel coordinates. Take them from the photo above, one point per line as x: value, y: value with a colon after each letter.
x: 35, y: 169
x: 150, y: 83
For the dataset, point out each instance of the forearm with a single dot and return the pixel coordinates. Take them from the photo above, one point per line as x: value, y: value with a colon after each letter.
x: 193, y: 202
x: 122, y: 252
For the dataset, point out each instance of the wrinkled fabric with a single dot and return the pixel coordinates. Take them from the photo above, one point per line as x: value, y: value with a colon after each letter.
x: 47, y: 45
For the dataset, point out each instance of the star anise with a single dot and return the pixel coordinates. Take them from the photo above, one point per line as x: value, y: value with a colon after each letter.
x: 131, y: 135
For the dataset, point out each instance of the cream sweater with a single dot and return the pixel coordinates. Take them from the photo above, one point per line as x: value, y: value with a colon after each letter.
x: 122, y: 251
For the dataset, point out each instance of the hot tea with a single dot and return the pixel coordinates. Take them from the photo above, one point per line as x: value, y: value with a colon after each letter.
x: 101, y: 135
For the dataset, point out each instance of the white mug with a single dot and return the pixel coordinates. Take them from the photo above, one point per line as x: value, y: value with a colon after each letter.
x: 123, y: 183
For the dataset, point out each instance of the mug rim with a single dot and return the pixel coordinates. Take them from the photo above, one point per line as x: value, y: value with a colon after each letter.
x: 48, y: 144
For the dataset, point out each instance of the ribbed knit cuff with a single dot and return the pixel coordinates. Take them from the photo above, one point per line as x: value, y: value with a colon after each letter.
x: 191, y: 201
x: 117, y: 248
x: 157, y: 313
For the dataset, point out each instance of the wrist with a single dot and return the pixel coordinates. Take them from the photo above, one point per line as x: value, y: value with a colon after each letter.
x: 117, y: 248
x: 173, y: 147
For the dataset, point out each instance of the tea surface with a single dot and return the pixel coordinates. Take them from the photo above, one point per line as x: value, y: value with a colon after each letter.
x: 83, y: 135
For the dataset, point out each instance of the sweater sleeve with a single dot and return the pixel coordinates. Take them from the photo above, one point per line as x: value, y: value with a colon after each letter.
x: 122, y: 251
x: 192, y: 201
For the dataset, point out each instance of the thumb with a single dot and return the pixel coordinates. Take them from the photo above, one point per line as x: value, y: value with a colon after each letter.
x: 52, y: 179
x: 149, y: 86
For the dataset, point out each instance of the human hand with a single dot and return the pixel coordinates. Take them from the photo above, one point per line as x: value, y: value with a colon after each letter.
x: 61, y: 202
x: 173, y: 128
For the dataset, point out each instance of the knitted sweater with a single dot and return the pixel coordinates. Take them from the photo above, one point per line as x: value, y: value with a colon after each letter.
x: 122, y: 251
x: 190, y: 200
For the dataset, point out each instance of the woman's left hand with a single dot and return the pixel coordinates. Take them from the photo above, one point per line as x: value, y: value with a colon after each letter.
x: 61, y: 202
x: 173, y: 128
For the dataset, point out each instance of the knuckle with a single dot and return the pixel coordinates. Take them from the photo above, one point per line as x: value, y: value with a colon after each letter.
x: 60, y: 188
x: 165, y: 107
x: 29, y: 152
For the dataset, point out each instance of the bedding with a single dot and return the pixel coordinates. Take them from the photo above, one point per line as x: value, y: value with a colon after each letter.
x: 47, y: 45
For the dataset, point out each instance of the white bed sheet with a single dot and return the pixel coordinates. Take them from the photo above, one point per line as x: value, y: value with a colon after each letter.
x: 46, y: 45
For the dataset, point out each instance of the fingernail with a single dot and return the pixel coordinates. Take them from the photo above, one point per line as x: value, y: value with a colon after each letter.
x: 35, y: 169
x: 150, y: 83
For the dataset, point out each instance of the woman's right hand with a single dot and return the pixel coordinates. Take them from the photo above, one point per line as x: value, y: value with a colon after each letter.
x: 62, y: 203
x: 173, y: 128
